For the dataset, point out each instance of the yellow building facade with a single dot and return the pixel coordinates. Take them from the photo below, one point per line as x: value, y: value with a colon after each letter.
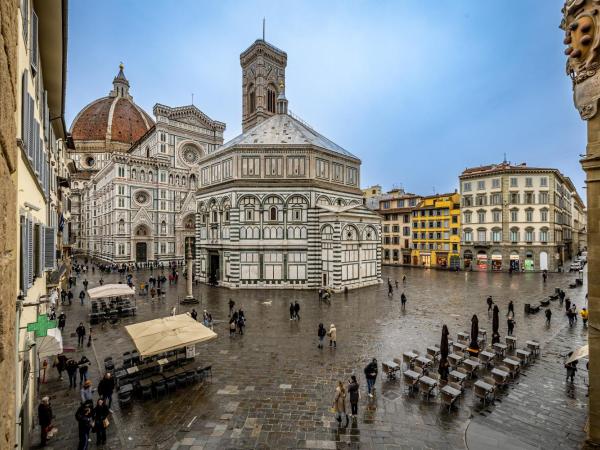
x: 436, y: 232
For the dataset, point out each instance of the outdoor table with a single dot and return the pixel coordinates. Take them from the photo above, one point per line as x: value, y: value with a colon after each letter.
x: 511, y: 342
x: 145, y: 383
x: 451, y: 392
x: 455, y: 359
x: 523, y: 355
x: 482, y: 389
x: 156, y: 379
x: 512, y: 364
x: 390, y: 368
x: 500, y: 376
x: 533, y: 346
x: 457, y: 346
x: 482, y: 333
x: 429, y: 384
x: 457, y: 376
x: 423, y: 362
x: 409, y: 357
x: 126, y: 388
x: 433, y: 351
x: 471, y: 365
x: 163, y: 361
x: 463, y: 337
x: 413, y: 378
x: 412, y: 374
x: 131, y: 370
x: 121, y: 373
x: 500, y: 349
x: 486, y: 357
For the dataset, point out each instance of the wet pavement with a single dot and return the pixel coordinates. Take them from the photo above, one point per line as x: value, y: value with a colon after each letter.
x: 272, y: 387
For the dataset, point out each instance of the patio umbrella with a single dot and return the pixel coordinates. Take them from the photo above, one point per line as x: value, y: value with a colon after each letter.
x: 581, y: 352
x: 495, y: 325
x: 443, y: 367
x: 474, y: 346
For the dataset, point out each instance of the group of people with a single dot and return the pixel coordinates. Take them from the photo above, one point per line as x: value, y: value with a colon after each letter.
x: 95, y: 418
x: 207, y: 319
x: 295, y: 311
x: 351, y: 392
x: 332, y: 334
x: 237, y: 321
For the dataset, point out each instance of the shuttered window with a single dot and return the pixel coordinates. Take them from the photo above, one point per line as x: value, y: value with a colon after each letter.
x: 25, y: 110
x: 24, y: 261
x: 33, y: 55
x: 49, y: 248
x: 29, y: 242
x: 30, y: 128
x: 25, y: 17
x: 38, y: 250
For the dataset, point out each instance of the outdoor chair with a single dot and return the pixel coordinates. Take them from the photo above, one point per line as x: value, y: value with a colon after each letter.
x: 450, y: 396
x: 146, y: 393
x: 457, y: 380
x: 160, y: 389
x: 127, y: 362
x: 502, y: 381
x: 109, y: 365
x: 171, y: 384
x: 523, y: 355
x: 124, y: 399
x: 181, y: 380
x: 135, y: 357
x: 427, y: 385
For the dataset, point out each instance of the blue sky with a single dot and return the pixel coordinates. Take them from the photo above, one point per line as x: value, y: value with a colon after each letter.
x: 418, y: 90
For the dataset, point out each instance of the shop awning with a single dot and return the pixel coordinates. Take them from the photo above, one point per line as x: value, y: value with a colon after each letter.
x: 168, y: 333
x: 51, y: 344
x: 581, y: 352
x: 111, y: 290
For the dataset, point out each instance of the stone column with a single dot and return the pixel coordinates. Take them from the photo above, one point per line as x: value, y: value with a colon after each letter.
x: 581, y: 23
x: 190, y: 268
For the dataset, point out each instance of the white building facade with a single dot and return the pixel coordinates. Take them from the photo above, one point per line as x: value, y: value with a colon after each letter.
x: 515, y: 218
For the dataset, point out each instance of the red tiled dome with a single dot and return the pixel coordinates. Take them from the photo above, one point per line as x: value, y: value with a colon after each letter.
x: 128, y: 123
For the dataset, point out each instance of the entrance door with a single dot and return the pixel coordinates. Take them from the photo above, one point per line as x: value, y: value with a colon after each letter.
x: 543, y: 261
x: 324, y: 279
x: 214, y: 268
x: 141, y: 252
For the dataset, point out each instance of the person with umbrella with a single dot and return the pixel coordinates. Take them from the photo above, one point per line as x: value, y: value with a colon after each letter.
x: 495, y: 325
x: 474, y: 345
x: 444, y: 366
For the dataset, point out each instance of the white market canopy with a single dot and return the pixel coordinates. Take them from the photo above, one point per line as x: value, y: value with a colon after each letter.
x: 51, y: 344
x: 111, y: 290
x: 168, y: 333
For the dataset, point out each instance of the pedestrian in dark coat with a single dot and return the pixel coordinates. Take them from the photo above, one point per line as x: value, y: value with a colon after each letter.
x: 80, y: 330
x: 511, y: 325
x: 84, y: 365
x: 403, y: 300
x: 567, y: 304
x: 45, y: 419
x: 291, y: 311
x: 194, y: 314
x: 100, y: 415
x: 548, y: 316
x: 106, y: 388
x: 231, y: 305
x: 490, y: 302
x: 62, y: 321
x: 61, y: 365
x: 297, y: 310
x: 353, y: 391
x: 71, y: 367
x: 371, y: 371
x: 511, y: 308
x: 70, y: 297
x: 82, y: 296
x: 321, y: 332
x: 85, y: 420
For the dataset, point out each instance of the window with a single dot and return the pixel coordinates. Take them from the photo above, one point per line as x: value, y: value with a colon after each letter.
x: 529, y: 235
x: 496, y: 183
x: 412, y: 202
x: 544, y: 215
x: 249, y: 215
x: 543, y: 235
x: 227, y: 165
x: 163, y: 136
x: 481, y: 185
x: 514, y: 235
x: 163, y: 148
x: 252, y: 101
x: 215, y: 173
x: 514, y: 182
x: 406, y: 231
x: 496, y: 199
x: 338, y: 172
x: 514, y: 215
x: 296, y: 166
x: 481, y: 216
x: 386, y: 204
x: 351, y: 176
x: 121, y: 171
x: 163, y: 227
x: 121, y: 203
x: 496, y: 235
x: 322, y: 169
x: 400, y: 203
x: 528, y: 182
x: 273, y: 166
x: 467, y: 200
x: 467, y: 186
x: 543, y: 198
x: 481, y: 236
x: 529, y: 198
x: 514, y: 198
x: 121, y: 190
x: 297, y: 214
x: 496, y: 216
x: 250, y: 166
x: 529, y: 215
x: 544, y: 181
x: 271, y: 99
x: 273, y: 213
x: 481, y: 200
x: 467, y: 217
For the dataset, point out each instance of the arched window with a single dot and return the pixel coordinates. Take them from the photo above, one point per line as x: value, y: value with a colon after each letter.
x: 121, y: 226
x: 163, y: 227
x: 177, y: 180
x: 171, y: 179
x: 251, y: 99
x: 271, y: 99
x: 142, y: 176
x: 183, y: 180
x: 133, y: 174
x: 147, y: 152
x: 150, y: 176
x: 273, y: 213
x: 193, y: 181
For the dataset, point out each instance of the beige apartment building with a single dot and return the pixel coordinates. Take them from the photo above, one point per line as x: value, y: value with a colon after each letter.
x: 516, y: 218
x: 579, y: 215
x: 396, y: 210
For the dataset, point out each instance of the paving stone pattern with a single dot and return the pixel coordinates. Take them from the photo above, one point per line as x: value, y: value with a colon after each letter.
x: 272, y: 388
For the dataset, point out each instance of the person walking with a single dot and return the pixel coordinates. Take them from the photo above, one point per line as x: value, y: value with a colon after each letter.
x: 62, y: 321
x: 544, y: 276
x: 510, y: 323
x: 194, y: 314
x: 85, y: 284
x: 390, y: 288
x: 332, y: 333
x: 321, y: 332
x: 83, y: 365
x: 86, y: 393
x: 571, y: 369
x: 297, y: 310
x: 511, y: 308
x: 232, y: 326
x: 561, y: 296
x: 548, y: 316
x: 106, y: 387
x: 354, y: 394
x: 61, y: 364
x: 80, y: 330
x: 85, y: 420
x: 292, y: 315
x: 45, y: 420
x: 567, y: 304
x: 490, y: 302
x: 584, y: 316
x: 570, y: 315
x: 371, y: 371
x: 82, y: 296
x: 339, y: 403
x: 231, y: 305
x: 574, y: 309
x: 70, y: 297
x: 241, y: 323
x: 100, y: 414
x: 71, y: 367
x: 403, y: 279
x: 403, y: 301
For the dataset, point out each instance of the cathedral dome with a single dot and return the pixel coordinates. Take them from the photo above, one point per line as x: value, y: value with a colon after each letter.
x: 112, y: 119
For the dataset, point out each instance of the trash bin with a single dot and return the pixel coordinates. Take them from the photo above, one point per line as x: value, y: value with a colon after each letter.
x: 527, y: 308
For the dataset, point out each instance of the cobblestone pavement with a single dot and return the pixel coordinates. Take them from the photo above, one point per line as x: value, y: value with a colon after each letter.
x: 272, y: 388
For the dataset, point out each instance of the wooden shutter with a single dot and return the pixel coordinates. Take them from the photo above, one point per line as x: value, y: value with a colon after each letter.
x: 24, y: 109
x: 50, y: 248
x: 29, y: 252
x: 23, y: 262
x: 33, y: 55
x: 30, y: 128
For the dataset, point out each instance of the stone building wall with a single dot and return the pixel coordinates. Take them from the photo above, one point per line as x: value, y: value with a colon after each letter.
x: 8, y: 220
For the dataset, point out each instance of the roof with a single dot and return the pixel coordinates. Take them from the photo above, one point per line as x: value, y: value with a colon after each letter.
x: 168, y: 333
x: 129, y: 122
x: 110, y: 290
x: 503, y: 167
x: 285, y: 130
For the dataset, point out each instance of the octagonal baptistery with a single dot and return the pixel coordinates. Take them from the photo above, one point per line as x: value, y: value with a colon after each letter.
x: 108, y: 124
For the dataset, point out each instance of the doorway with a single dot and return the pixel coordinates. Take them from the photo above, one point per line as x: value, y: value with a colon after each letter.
x: 141, y: 252
x: 214, y: 268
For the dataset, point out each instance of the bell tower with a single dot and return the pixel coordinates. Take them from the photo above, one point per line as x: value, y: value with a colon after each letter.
x: 263, y: 71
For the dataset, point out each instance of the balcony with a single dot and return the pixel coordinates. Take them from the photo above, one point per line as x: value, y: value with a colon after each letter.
x: 482, y: 243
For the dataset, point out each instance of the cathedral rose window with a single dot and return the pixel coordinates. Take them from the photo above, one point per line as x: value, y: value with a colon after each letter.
x: 141, y: 197
x: 190, y: 154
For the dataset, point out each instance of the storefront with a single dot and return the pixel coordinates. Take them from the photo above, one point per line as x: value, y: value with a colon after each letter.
x: 529, y: 264
x: 515, y: 264
x: 442, y: 260
x: 425, y: 259
x: 482, y: 260
x: 468, y: 259
x: 454, y: 262
x: 496, y: 261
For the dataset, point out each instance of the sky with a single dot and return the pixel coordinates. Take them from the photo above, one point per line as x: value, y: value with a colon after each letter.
x: 417, y: 90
